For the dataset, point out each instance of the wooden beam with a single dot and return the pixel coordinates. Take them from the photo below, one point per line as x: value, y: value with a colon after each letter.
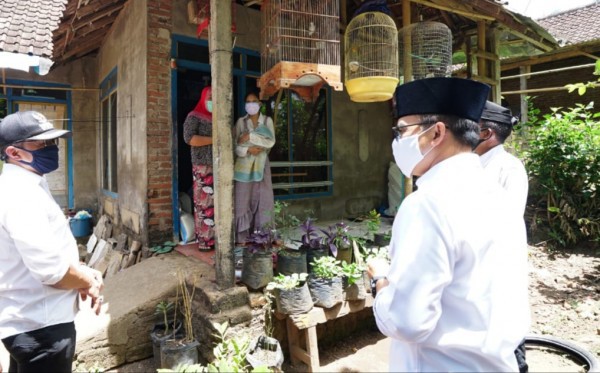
x: 407, y: 71
x: 221, y: 66
x: 456, y: 8
x: 486, y: 55
x: 543, y: 58
x: 481, y: 63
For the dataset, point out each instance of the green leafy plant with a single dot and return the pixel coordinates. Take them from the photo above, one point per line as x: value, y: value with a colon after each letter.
x: 353, y: 272
x: 373, y: 221
x: 288, y: 282
x: 162, y: 309
x: 561, y: 156
x: 282, y: 221
x: 337, y: 237
x: 582, y: 87
x: 326, y: 267
x: 163, y: 248
x: 379, y: 253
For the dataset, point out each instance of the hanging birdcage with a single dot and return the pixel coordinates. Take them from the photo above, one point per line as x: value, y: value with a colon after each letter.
x: 425, y: 51
x: 371, y: 57
x: 300, y: 46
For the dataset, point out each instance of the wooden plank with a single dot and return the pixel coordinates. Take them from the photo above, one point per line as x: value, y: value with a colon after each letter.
x: 320, y: 315
x: 292, y: 333
x: 457, y: 9
x: 312, y: 347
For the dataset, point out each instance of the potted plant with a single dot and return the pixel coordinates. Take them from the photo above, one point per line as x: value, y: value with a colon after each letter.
x: 353, y: 281
x: 181, y: 350
x: 312, y: 242
x: 290, y: 258
x: 325, y: 282
x: 257, y: 267
x: 291, y: 293
x: 337, y: 238
x: 165, y: 329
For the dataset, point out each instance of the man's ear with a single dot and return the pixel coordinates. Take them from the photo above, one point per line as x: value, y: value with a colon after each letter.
x: 439, y: 133
x: 13, y: 152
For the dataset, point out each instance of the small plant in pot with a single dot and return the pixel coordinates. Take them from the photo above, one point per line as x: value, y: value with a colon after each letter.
x: 257, y: 267
x: 353, y: 281
x: 325, y: 282
x: 181, y: 350
x: 337, y: 238
x: 166, y: 329
x: 291, y: 293
x: 312, y: 242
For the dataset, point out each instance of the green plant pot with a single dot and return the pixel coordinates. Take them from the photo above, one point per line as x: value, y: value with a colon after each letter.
x: 356, y: 291
x: 291, y: 261
x: 293, y: 301
x: 174, y: 352
x: 257, y: 269
x: 326, y: 292
x: 345, y: 255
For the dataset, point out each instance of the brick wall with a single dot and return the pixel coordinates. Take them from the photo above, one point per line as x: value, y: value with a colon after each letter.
x: 545, y: 100
x: 160, y: 167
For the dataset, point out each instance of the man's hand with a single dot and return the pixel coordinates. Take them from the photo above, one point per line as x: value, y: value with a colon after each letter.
x: 377, y: 267
x: 95, y: 290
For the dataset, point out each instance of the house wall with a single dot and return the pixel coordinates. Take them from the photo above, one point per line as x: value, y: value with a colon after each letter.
x: 359, y: 185
x: 79, y: 74
x: 562, y: 98
x: 125, y: 49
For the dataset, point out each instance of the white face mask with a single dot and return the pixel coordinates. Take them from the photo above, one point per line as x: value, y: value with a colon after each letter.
x: 407, y: 152
x: 252, y: 108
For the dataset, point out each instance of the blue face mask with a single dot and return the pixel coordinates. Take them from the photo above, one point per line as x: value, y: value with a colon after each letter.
x: 45, y: 160
x: 209, y: 106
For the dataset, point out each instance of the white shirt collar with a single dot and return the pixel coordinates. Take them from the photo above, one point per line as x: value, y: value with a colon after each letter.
x: 486, y: 157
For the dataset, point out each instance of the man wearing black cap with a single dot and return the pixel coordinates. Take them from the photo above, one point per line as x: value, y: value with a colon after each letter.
x: 496, y: 125
x: 40, y: 277
x: 454, y: 297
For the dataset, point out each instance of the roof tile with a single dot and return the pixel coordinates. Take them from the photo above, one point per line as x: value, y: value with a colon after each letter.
x: 26, y: 26
x: 574, y: 26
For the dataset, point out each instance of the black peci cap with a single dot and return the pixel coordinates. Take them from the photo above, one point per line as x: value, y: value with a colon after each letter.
x: 498, y: 114
x: 28, y: 125
x: 451, y: 96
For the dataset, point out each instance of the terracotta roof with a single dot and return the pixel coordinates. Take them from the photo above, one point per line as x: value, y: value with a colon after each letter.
x: 26, y: 26
x: 574, y: 26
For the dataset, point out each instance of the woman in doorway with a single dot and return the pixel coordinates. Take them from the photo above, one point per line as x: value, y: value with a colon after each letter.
x: 197, y: 132
x: 254, y: 136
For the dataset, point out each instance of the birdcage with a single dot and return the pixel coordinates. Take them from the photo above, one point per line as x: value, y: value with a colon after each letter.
x: 425, y: 51
x: 300, y: 46
x: 371, y: 57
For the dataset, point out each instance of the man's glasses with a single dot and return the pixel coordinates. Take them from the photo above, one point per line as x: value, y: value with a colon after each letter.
x: 399, y: 130
x: 40, y: 143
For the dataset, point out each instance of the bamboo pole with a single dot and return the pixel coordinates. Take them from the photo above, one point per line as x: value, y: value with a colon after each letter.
x: 407, y: 66
x: 222, y: 83
x: 481, y: 63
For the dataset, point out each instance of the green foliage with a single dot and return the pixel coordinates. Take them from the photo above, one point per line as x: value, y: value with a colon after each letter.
x: 561, y: 158
x: 162, y: 309
x: 353, y: 272
x: 282, y: 221
x: 376, y: 253
x: 230, y: 355
x: 326, y: 267
x: 582, y: 87
x: 373, y: 221
x: 287, y: 282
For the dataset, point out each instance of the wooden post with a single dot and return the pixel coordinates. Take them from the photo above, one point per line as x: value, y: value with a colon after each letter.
x: 523, y: 96
x: 222, y: 93
x: 407, y: 71
x: 496, y: 68
x: 481, y: 63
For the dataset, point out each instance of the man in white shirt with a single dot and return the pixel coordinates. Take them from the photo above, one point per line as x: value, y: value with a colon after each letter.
x: 454, y: 297
x: 40, y: 276
x: 504, y: 168
x: 500, y: 166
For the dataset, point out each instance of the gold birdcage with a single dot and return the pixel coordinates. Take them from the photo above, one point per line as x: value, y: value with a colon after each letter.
x: 300, y: 46
x: 425, y: 51
x: 371, y: 57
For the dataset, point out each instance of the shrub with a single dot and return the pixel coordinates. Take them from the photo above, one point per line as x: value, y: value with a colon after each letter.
x: 561, y: 158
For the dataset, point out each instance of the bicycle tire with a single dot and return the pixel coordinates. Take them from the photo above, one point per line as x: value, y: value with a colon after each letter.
x: 580, y: 355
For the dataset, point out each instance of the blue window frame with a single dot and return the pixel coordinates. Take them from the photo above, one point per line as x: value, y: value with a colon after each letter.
x: 108, y: 138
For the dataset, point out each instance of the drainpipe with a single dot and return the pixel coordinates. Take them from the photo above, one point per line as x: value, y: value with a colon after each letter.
x: 221, y: 48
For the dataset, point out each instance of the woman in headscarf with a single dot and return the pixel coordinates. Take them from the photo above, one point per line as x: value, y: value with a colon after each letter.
x: 197, y: 132
x: 254, y: 138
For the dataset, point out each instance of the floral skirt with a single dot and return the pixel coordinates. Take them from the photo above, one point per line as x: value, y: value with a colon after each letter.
x: 204, y: 211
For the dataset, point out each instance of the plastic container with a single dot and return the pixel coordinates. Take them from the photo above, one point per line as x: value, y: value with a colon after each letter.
x: 81, y: 226
x: 372, y: 88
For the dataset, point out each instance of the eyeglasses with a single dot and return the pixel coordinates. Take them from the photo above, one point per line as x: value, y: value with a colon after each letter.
x: 40, y: 143
x: 399, y: 130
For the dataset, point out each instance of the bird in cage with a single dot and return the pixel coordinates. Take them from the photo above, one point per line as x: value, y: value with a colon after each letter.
x: 311, y: 28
